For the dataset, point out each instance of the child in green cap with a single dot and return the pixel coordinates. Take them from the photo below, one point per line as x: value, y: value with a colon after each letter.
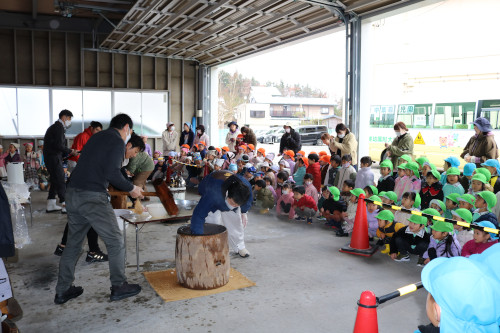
x: 438, y: 205
x: 409, y: 183
x: 485, y: 201
x: 443, y: 242
x: 370, y: 190
x: 411, y: 239
x: 371, y: 213
x: 386, y: 181
x: 451, y: 204
x: 410, y: 200
x: 463, y: 235
x: 466, y: 201
x: 352, y: 207
x: 333, y: 210
x: 386, y: 229
x: 477, y: 184
x: 431, y: 189
x: 398, y: 181
x: 453, y: 182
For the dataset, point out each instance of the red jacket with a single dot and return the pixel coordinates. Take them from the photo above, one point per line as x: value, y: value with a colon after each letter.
x: 79, y: 141
x: 315, y: 170
x: 307, y: 201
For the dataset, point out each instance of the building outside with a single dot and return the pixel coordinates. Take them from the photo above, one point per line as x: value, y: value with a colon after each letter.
x: 266, y: 107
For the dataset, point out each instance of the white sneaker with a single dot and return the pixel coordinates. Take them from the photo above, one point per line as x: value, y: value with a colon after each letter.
x: 52, y: 207
x: 63, y: 208
x: 244, y: 253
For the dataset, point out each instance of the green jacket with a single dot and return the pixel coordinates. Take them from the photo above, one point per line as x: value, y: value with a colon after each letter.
x: 400, y: 146
x: 266, y: 196
x: 142, y: 162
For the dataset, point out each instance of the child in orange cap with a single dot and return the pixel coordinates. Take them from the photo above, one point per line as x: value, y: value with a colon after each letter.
x: 289, y: 155
x: 259, y: 158
x: 298, y: 176
x: 324, y: 163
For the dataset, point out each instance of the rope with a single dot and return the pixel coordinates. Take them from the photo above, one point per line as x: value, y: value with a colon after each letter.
x: 437, y: 218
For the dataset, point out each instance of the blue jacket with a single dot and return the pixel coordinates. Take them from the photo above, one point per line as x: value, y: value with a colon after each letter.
x: 488, y: 217
x: 213, y: 198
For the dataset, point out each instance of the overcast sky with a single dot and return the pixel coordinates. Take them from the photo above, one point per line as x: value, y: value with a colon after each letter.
x: 318, y: 62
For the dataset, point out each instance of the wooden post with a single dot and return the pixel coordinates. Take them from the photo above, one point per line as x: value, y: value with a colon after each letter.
x: 118, y: 201
x: 202, y: 261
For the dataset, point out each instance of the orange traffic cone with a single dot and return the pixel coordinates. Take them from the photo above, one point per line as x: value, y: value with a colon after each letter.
x: 366, y: 319
x: 360, y: 244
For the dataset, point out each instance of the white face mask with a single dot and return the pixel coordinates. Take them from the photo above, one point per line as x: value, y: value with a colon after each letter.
x: 199, y: 131
x: 67, y: 123
x: 288, y: 130
x: 398, y: 133
x: 129, y: 135
x: 285, y: 192
x: 172, y: 128
x: 309, y: 182
x: 341, y: 136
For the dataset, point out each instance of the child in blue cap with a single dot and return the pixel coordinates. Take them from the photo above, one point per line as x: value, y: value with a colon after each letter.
x: 467, y: 177
x: 482, y: 240
x: 463, y: 293
x: 449, y: 162
x: 493, y: 167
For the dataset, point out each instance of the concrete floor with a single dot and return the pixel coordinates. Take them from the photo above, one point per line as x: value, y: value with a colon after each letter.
x: 303, y: 284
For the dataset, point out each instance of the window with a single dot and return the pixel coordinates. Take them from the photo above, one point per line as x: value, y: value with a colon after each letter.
x: 257, y: 114
x: 454, y: 115
x: 382, y: 116
x: 33, y: 111
x: 286, y: 108
x: 27, y: 111
x: 491, y: 110
x: 71, y: 100
x: 325, y: 110
x: 8, y: 101
x: 414, y: 115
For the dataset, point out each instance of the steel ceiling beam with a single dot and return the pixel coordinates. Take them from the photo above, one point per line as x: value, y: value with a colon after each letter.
x: 188, y: 24
x: 287, y: 13
x: 362, y: 3
x: 250, y: 12
x: 154, y: 4
x: 279, y: 35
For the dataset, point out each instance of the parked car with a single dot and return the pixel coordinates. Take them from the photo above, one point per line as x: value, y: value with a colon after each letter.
x: 274, y: 135
x: 311, y: 134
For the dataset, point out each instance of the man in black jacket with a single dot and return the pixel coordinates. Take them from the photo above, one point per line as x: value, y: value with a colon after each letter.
x: 290, y: 140
x: 89, y: 206
x: 53, y: 151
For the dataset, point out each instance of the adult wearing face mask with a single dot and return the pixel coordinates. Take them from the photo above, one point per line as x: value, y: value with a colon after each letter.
x: 201, y: 136
x: 344, y: 143
x: 187, y: 136
x: 169, y: 139
x: 401, y: 145
x: 225, y: 199
x: 290, y: 140
x: 89, y: 206
x: 54, y: 149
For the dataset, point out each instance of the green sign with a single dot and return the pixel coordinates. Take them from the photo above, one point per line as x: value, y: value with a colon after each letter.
x: 406, y: 109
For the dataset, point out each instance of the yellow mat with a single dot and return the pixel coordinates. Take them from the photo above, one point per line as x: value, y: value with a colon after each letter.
x: 166, y: 286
